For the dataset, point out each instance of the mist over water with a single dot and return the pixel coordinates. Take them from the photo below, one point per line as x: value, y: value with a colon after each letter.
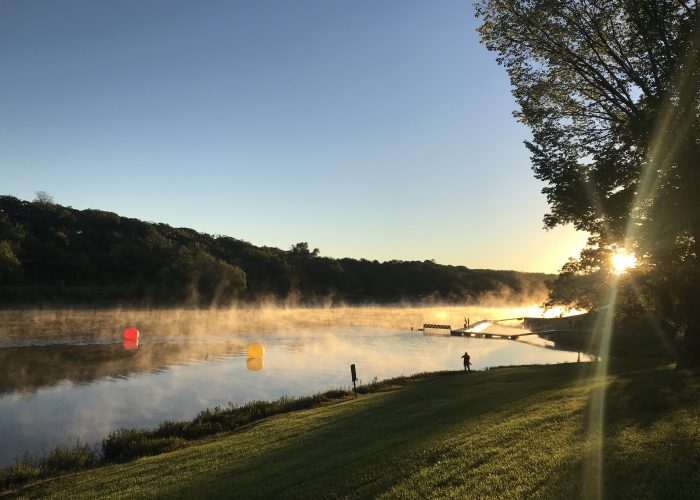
x: 65, y: 375
x: 56, y: 326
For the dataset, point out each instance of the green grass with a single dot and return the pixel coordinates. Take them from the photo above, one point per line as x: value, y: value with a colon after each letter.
x: 509, y: 433
x: 127, y: 444
x: 59, y: 460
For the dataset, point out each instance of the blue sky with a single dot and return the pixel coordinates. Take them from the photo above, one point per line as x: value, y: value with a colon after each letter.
x: 374, y: 128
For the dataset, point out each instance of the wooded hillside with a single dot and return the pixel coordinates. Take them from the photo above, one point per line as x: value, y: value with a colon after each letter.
x: 49, y: 252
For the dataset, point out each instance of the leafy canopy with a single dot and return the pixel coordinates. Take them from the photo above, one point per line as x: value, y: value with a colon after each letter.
x: 611, y: 92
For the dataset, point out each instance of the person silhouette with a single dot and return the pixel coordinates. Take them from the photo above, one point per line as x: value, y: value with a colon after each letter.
x: 467, y: 363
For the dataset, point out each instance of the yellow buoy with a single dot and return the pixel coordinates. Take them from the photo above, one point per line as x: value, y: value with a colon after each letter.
x: 256, y: 351
x: 255, y: 364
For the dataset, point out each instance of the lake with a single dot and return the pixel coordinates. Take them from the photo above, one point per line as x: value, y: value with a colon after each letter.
x: 68, y: 375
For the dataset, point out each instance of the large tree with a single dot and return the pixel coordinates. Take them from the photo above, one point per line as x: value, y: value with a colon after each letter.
x: 611, y: 92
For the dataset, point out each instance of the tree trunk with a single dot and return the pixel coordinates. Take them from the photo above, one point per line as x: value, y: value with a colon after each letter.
x: 689, y: 353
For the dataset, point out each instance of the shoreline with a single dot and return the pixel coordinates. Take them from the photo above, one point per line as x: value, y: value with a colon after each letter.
x: 511, y: 431
x: 127, y: 444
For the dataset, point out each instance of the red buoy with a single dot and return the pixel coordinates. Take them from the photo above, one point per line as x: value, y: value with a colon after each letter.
x: 131, y: 334
x: 131, y: 345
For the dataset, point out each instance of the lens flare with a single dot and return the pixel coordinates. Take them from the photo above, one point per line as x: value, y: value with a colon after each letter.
x: 623, y: 261
x: 602, y: 336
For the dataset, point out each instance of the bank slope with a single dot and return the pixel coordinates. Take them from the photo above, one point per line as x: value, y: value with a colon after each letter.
x: 511, y: 432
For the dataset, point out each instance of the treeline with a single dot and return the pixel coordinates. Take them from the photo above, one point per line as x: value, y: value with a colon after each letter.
x: 49, y: 252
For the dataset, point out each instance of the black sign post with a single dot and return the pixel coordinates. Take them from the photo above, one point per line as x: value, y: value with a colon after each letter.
x: 354, y: 378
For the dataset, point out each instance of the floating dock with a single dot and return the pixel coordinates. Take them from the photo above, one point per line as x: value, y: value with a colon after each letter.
x: 495, y: 329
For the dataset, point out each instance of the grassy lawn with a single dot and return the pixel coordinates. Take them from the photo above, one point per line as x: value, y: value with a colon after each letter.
x: 511, y: 432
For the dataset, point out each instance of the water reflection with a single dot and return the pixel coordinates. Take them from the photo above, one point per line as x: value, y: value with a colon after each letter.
x: 131, y: 344
x: 255, y: 364
x: 255, y: 361
x: 28, y: 369
x: 62, y: 381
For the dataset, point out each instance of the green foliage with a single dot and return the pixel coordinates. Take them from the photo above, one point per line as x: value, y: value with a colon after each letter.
x: 127, y: 444
x: 124, y: 445
x: 611, y: 93
x: 205, y: 279
x: 582, y: 283
x: 8, y: 260
x: 93, y: 255
x: 66, y: 459
x: 18, y: 474
x: 43, y: 197
x: 60, y: 460
x: 302, y: 250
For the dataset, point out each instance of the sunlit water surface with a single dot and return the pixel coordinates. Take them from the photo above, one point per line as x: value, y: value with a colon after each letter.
x: 57, y: 389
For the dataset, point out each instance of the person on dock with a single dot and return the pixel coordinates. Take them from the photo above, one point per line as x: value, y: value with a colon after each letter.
x: 467, y: 362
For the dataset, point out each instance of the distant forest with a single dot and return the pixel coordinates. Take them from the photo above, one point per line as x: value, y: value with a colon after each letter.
x: 51, y: 253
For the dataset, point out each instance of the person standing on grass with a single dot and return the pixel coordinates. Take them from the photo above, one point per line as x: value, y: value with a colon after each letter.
x: 467, y: 363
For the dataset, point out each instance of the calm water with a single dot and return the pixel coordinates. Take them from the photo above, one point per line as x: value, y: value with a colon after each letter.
x: 68, y: 378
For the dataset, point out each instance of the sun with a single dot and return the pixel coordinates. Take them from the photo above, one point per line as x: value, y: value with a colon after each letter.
x: 623, y: 261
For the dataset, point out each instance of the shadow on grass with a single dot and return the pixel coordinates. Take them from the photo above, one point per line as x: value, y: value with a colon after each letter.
x: 651, y: 437
x: 378, y: 442
x: 124, y: 445
x: 652, y: 431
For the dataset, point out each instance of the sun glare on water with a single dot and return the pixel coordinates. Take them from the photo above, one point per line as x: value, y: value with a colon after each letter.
x: 623, y: 261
